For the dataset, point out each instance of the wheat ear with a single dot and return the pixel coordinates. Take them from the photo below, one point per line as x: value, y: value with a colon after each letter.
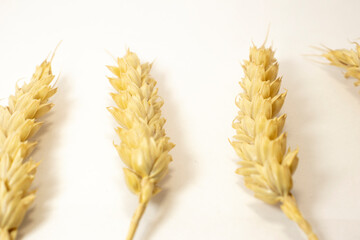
x: 266, y: 165
x: 144, y: 146
x: 346, y: 59
x: 18, y: 122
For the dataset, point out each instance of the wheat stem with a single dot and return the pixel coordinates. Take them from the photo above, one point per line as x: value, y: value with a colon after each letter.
x: 144, y: 198
x: 5, y: 235
x: 135, y: 220
x: 291, y: 210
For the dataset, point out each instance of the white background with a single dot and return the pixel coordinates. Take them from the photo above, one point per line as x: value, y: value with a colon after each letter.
x: 197, y: 47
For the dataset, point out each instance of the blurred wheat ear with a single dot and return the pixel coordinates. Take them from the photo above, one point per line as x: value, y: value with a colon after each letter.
x: 144, y: 146
x: 267, y: 166
x: 349, y: 60
x: 18, y: 123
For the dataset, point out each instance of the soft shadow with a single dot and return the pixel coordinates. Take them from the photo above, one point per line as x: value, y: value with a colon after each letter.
x: 304, y: 115
x: 273, y: 214
x: 180, y: 174
x: 336, y: 73
x: 48, y: 139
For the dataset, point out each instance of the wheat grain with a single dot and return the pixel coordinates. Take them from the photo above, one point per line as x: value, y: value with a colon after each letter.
x: 18, y: 122
x: 266, y: 165
x: 144, y: 146
x: 346, y: 59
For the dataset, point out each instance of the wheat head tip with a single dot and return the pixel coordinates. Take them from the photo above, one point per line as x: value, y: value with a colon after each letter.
x: 349, y: 60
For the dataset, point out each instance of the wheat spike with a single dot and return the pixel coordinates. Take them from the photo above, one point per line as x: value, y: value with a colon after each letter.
x: 346, y: 59
x: 144, y: 146
x: 18, y: 122
x: 266, y: 165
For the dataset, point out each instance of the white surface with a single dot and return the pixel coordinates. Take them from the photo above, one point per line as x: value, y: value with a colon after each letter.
x: 198, y: 46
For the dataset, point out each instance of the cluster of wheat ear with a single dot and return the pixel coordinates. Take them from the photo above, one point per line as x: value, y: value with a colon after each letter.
x: 144, y: 146
x: 18, y: 122
x: 267, y: 166
x: 346, y: 59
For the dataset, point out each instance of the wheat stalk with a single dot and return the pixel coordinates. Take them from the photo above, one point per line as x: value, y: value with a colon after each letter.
x: 346, y: 59
x: 18, y: 122
x: 266, y: 165
x: 144, y: 146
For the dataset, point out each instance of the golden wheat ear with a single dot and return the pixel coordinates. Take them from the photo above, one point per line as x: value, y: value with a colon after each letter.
x: 18, y: 122
x: 144, y: 146
x: 267, y: 166
x: 349, y: 60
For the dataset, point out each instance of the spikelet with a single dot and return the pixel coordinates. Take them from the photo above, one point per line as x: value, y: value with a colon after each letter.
x: 18, y: 122
x: 346, y: 59
x: 144, y: 146
x: 267, y: 166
